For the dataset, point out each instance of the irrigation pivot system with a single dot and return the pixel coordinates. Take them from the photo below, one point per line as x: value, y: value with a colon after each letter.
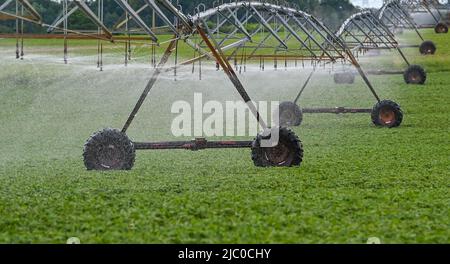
x: 432, y: 8
x: 222, y: 34
x: 288, y: 35
x: 395, y: 16
x: 364, y: 32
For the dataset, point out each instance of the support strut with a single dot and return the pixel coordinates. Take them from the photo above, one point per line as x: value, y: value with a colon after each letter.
x: 228, y: 69
x: 150, y: 84
x: 194, y: 145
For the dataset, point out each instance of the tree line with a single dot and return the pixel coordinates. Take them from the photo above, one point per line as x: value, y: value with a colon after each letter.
x: 331, y: 12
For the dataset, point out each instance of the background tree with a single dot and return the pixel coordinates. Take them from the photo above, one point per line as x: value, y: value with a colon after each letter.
x: 331, y: 12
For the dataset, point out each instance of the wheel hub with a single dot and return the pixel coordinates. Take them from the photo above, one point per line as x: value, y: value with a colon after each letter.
x: 286, y: 117
x: 387, y: 116
x: 415, y: 76
x: 277, y: 155
x: 110, y: 157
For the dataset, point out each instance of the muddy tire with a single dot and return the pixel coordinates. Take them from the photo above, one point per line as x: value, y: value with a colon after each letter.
x: 441, y: 28
x: 288, y: 152
x: 344, y: 78
x: 109, y: 149
x: 289, y: 114
x: 415, y: 74
x: 427, y: 48
x: 387, y: 113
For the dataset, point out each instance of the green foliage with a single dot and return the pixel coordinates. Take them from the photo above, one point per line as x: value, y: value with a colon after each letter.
x: 334, y: 12
x: 6, y: 29
x: 356, y: 182
x: 330, y: 11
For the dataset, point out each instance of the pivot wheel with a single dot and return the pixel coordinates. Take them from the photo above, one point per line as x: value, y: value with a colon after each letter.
x: 387, y: 113
x: 344, y: 78
x: 441, y: 28
x: 415, y: 74
x: 109, y: 149
x: 289, y: 114
x: 287, y: 153
x: 427, y: 48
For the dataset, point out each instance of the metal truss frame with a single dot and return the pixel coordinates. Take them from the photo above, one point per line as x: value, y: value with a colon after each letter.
x: 220, y: 34
x: 429, y: 6
x: 394, y: 16
x: 364, y: 31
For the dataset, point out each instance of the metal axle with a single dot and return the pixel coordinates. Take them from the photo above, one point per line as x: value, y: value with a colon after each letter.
x: 194, y: 145
x: 336, y: 110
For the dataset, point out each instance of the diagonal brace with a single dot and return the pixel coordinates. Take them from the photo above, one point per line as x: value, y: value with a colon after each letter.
x: 150, y: 84
x: 85, y: 8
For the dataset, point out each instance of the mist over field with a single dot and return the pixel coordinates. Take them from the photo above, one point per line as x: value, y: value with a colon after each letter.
x: 356, y: 181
